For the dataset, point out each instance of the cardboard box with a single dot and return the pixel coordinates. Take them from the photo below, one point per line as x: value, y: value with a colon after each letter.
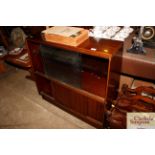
x: 72, y: 36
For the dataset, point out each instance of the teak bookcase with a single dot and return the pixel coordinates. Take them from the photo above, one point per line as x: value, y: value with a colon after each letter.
x: 77, y: 79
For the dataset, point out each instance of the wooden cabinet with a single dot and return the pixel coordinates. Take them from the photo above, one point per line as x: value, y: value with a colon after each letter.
x: 77, y: 79
x: 35, y: 57
x: 95, y: 110
x: 70, y: 99
x: 44, y: 85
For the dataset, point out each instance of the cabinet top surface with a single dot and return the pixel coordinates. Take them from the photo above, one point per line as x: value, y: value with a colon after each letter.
x: 100, y: 48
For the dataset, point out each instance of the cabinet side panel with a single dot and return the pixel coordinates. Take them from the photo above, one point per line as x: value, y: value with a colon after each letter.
x: 115, y: 65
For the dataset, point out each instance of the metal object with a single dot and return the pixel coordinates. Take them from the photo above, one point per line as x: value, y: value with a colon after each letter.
x: 137, y: 46
x: 148, y: 33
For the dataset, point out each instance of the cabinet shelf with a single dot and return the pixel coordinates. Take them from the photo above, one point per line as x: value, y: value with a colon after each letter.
x: 78, y: 90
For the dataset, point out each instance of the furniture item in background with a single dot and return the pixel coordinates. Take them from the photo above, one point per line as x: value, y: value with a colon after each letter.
x: 137, y: 65
x: 16, y: 35
x: 3, y: 37
x: 129, y: 100
x: 20, y: 59
x: 2, y: 64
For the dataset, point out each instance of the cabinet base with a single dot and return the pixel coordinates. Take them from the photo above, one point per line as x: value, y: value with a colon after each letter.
x: 87, y: 119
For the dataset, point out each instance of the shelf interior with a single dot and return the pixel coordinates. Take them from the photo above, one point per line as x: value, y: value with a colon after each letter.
x: 80, y: 71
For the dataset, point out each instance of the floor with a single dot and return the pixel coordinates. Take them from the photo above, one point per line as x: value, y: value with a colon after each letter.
x: 22, y: 108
